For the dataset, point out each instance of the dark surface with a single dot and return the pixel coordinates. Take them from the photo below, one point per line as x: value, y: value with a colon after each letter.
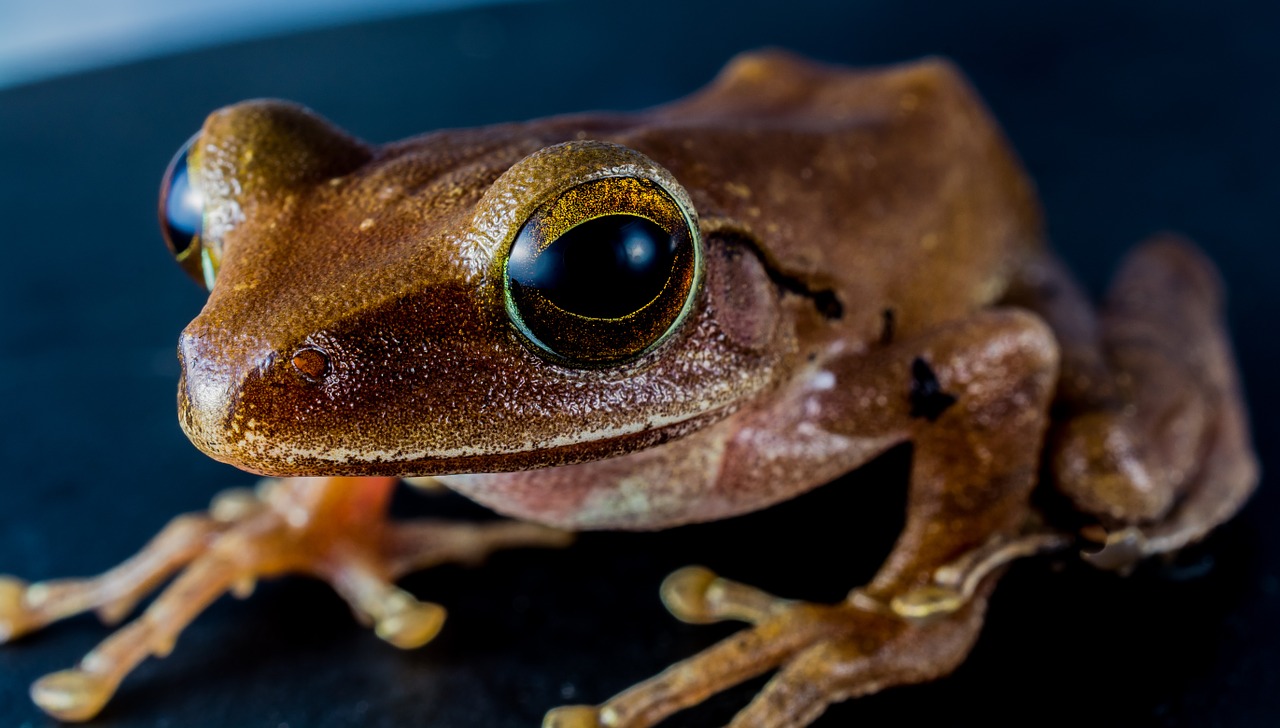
x: 1133, y: 117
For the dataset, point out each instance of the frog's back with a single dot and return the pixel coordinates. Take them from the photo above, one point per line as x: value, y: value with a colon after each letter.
x: 893, y: 187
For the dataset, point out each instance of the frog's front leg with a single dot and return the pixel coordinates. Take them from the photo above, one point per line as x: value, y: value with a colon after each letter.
x: 974, y: 397
x: 332, y: 528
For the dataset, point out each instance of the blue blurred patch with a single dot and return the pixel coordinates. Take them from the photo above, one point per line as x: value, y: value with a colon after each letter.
x: 41, y: 40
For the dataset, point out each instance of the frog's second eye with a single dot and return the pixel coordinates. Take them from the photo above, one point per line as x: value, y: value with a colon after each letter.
x: 182, y: 219
x: 604, y: 272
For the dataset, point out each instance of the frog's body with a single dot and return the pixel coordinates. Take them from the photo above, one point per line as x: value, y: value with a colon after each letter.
x: 900, y: 204
x: 856, y: 261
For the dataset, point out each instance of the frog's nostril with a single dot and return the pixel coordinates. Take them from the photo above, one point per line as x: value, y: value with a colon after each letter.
x: 311, y: 363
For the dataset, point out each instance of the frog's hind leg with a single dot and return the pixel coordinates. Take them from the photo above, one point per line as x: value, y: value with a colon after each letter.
x: 332, y: 528
x: 1151, y: 437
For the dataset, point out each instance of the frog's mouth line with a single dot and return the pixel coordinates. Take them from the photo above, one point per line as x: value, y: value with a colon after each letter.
x: 258, y: 455
x: 342, y: 455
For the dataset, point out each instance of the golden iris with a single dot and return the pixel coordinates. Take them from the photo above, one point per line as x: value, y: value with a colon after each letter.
x: 604, y: 272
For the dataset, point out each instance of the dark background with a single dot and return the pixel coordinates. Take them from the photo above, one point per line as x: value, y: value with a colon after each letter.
x: 1133, y: 117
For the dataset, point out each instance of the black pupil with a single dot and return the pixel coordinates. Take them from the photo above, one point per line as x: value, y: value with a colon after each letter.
x: 183, y: 205
x: 607, y: 267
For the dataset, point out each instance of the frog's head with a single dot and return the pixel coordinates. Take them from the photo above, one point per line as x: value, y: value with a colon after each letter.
x: 482, y: 300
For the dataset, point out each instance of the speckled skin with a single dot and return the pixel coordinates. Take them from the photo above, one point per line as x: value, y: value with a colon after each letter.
x: 892, y: 190
x: 873, y: 273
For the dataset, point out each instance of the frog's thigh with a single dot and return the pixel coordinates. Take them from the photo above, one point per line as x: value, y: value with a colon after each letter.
x: 1155, y: 441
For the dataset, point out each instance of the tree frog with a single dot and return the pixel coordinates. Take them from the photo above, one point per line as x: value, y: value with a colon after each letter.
x: 636, y: 321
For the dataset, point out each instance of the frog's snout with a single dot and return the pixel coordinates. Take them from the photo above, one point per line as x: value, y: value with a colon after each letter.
x: 205, y: 394
x: 216, y: 367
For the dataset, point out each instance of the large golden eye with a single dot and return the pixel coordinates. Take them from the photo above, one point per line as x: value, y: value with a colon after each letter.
x: 604, y: 272
x: 182, y: 220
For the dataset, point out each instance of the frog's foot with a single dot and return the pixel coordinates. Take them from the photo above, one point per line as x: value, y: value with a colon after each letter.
x: 332, y: 528
x: 823, y: 654
x: 1166, y: 456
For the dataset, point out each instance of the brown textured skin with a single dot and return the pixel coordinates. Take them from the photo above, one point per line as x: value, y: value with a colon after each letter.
x: 898, y: 193
x: 874, y: 273
x: 890, y: 192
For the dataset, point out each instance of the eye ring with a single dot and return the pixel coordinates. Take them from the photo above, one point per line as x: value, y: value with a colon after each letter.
x: 604, y: 272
